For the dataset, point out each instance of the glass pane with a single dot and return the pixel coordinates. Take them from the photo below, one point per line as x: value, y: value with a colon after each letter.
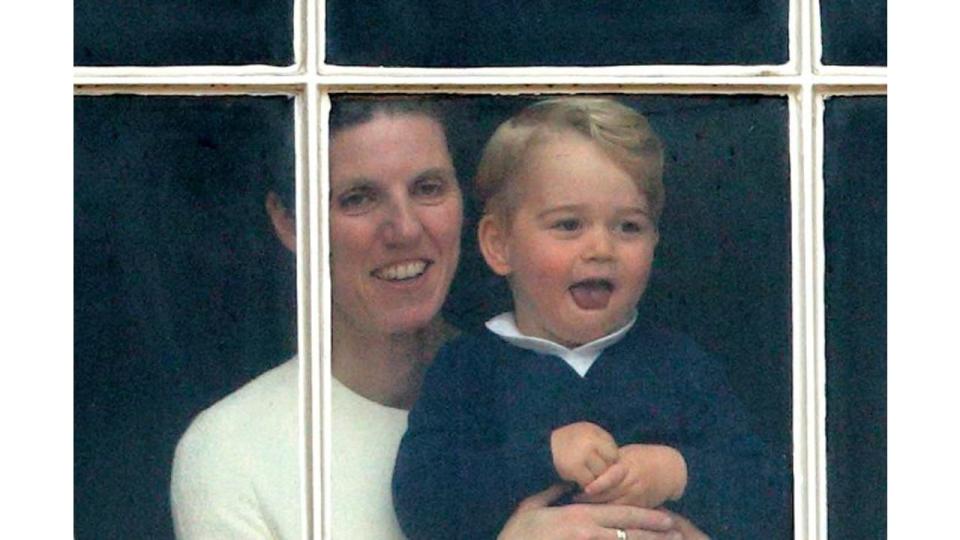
x: 721, y: 273
x: 182, y: 33
x: 182, y: 293
x: 854, y: 32
x: 855, y: 178
x: 457, y: 33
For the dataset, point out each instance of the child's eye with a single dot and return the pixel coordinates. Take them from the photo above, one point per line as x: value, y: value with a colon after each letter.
x: 567, y: 225
x: 632, y: 227
x: 357, y: 200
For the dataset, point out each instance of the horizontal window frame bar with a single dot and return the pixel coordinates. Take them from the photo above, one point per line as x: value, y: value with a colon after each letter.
x: 287, y: 84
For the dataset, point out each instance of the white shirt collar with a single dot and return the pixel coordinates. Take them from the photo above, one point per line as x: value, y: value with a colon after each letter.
x: 580, y: 358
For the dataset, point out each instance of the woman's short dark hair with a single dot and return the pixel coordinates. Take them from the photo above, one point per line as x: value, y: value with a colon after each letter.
x: 349, y: 111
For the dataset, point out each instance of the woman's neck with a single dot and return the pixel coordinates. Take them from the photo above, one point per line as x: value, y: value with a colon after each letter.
x: 387, y: 368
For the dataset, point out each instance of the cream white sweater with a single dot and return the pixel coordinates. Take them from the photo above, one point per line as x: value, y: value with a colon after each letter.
x: 236, y: 472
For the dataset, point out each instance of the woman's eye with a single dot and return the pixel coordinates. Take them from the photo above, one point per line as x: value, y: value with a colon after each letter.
x: 356, y: 200
x: 430, y: 188
x: 567, y: 225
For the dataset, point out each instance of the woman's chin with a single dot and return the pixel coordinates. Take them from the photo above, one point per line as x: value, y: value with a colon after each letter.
x: 406, y: 320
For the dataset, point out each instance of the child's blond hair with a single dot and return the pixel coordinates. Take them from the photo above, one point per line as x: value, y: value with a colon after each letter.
x: 624, y: 135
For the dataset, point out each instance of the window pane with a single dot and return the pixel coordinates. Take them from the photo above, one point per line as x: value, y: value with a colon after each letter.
x: 181, y: 32
x: 855, y: 178
x: 182, y: 292
x: 854, y: 32
x: 457, y: 33
x: 722, y: 268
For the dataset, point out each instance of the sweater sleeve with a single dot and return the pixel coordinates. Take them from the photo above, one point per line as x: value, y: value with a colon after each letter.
x: 456, y: 475
x: 736, y: 487
x: 211, y: 497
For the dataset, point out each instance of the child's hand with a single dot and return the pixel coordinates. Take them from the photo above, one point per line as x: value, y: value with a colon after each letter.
x: 646, y: 475
x: 582, y: 452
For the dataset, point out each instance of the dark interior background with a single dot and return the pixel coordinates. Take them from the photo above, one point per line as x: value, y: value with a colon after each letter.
x: 855, y: 216
x: 466, y: 33
x: 182, y: 32
x: 181, y: 292
x: 854, y: 32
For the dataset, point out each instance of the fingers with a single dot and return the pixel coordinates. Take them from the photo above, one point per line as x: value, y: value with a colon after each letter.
x: 596, y: 464
x: 688, y: 530
x: 607, y: 448
x: 592, y: 467
x: 630, y: 518
x: 605, y: 453
x: 610, y: 478
x: 650, y: 535
x: 544, y: 498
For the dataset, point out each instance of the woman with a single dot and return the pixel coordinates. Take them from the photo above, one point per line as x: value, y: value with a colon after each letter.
x: 396, y: 214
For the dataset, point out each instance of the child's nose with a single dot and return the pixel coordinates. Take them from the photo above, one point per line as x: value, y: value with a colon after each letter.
x: 600, y: 245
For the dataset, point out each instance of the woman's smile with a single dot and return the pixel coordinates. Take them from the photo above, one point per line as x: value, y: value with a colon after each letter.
x: 403, y: 271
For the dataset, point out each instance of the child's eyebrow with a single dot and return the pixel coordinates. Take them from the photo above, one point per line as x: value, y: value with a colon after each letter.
x: 573, y: 208
x: 566, y: 208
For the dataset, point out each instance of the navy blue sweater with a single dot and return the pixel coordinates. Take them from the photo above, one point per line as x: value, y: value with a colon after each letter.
x: 478, y: 438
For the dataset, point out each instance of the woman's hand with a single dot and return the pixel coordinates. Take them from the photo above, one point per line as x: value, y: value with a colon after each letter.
x: 688, y: 530
x: 535, y: 520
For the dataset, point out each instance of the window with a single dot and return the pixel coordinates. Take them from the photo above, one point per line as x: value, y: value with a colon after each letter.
x: 183, y: 115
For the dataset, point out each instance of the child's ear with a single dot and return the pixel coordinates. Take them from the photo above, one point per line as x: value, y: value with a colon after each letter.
x: 492, y: 234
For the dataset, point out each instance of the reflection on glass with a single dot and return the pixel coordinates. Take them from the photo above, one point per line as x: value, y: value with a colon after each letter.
x: 182, y: 292
x: 854, y: 32
x: 182, y: 33
x: 855, y: 176
x: 450, y: 33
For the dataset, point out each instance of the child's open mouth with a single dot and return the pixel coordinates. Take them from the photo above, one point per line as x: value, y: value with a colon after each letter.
x: 592, y: 293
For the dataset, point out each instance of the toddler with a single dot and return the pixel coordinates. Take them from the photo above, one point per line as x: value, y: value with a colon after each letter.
x: 570, y: 386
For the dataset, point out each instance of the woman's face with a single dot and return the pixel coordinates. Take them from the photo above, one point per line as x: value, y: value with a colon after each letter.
x: 396, y: 213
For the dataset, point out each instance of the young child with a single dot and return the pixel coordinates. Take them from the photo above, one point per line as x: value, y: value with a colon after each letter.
x: 570, y: 386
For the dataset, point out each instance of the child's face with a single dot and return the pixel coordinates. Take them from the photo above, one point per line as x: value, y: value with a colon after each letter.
x: 580, y: 245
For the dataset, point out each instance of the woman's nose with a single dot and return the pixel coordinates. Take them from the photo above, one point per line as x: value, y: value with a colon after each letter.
x: 402, y: 224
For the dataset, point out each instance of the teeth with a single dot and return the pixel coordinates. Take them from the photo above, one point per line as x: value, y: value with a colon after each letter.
x: 401, y: 271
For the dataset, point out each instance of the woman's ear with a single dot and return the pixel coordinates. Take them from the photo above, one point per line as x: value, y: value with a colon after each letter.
x: 493, y: 236
x: 284, y: 223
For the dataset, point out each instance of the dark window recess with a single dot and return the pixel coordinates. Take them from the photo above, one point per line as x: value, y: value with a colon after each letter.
x: 854, y: 32
x: 182, y: 32
x: 181, y: 292
x: 855, y: 176
x: 470, y: 33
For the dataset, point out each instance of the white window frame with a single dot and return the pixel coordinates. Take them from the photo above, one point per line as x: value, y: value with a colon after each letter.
x: 803, y: 80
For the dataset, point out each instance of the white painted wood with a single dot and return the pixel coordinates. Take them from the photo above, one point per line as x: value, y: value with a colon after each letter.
x: 818, y: 310
x: 810, y: 242
x: 321, y: 182
x: 798, y: 303
x: 304, y: 311
x: 375, y: 83
x: 534, y: 72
